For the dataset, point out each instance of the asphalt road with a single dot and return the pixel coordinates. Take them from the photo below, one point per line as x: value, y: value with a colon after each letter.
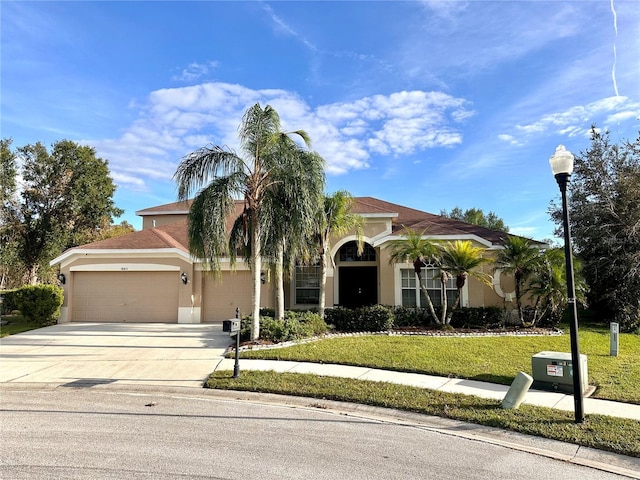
x: 93, y: 433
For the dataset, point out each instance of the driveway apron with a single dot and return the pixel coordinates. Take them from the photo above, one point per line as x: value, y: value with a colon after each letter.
x: 80, y: 354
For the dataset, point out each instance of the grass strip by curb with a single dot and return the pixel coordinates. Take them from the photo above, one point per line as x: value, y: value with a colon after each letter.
x: 598, y: 431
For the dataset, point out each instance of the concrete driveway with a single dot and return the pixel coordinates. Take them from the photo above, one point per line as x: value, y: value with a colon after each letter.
x: 76, y: 354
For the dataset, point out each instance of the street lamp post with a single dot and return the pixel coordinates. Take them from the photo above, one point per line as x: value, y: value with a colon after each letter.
x: 562, y: 167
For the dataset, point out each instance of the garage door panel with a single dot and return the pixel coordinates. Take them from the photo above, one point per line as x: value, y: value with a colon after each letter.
x: 125, y: 296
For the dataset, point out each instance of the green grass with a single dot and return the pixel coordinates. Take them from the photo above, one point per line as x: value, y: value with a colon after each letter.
x: 601, y: 432
x: 17, y: 324
x: 489, y: 359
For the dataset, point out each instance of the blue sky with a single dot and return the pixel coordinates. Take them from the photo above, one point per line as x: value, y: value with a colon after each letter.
x: 431, y: 104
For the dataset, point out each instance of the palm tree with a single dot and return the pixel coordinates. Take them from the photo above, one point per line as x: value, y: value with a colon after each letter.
x: 462, y: 260
x: 419, y: 250
x: 519, y: 257
x: 294, y: 203
x: 336, y: 219
x: 219, y: 176
x: 548, y: 286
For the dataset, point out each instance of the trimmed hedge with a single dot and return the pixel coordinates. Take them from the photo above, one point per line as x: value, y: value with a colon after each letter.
x: 294, y: 326
x: 478, y: 317
x: 375, y: 318
x: 9, y: 301
x: 40, y: 304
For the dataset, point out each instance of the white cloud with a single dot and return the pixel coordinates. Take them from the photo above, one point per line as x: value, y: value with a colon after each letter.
x: 176, y: 121
x: 510, y: 139
x: 577, y: 120
x: 195, y: 71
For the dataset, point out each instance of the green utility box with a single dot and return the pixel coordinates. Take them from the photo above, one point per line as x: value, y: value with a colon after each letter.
x: 554, y: 371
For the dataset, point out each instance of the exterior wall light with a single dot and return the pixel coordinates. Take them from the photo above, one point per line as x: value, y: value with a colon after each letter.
x: 62, y: 279
x: 184, y: 278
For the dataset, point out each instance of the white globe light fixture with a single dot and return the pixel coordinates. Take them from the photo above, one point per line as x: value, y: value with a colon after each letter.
x: 561, y: 161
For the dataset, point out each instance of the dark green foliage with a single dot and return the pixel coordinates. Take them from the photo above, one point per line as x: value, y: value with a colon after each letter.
x: 411, y: 317
x: 9, y: 301
x: 476, y: 216
x: 478, y: 317
x: 375, y: 318
x: 65, y: 199
x: 40, y: 303
x: 295, y: 326
x: 604, y: 206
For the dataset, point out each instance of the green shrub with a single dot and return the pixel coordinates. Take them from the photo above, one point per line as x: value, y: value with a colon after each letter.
x: 40, y: 304
x: 411, y: 317
x: 9, y: 301
x: 477, y: 317
x: 295, y: 326
x: 375, y: 318
x: 341, y: 318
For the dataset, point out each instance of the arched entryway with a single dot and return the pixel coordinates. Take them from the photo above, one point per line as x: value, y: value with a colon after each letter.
x: 357, y: 276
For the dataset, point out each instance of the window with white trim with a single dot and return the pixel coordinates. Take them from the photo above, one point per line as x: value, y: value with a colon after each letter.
x: 307, y: 284
x: 412, y: 296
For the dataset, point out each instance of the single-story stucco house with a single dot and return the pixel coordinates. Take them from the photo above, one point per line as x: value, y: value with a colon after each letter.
x: 150, y: 276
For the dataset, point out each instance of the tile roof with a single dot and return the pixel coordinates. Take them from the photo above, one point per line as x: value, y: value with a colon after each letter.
x: 174, y: 235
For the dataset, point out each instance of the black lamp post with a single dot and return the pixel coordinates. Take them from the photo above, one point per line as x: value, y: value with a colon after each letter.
x: 562, y: 167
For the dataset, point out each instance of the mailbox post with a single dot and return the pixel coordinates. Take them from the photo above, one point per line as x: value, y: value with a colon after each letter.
x: 233, y: 327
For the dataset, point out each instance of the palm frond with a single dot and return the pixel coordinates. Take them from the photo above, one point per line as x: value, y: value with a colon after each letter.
x: 202, y: 166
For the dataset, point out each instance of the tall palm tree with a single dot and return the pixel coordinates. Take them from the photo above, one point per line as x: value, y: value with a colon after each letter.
x: 519, y: 257
x: 419, y: 250
x: 294, y: 203
x: 462, y: 260
x: 220, y: 175
x: 335, y: 219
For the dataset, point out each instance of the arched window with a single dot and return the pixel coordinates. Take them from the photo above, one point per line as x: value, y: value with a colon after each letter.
x: 349, y: 253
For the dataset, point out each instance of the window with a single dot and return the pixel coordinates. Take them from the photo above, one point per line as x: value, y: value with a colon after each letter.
x: 308, y: 284
x: 349, y: 253
x: 412, y: 296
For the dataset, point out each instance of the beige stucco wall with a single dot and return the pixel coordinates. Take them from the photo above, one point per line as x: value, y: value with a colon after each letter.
x: 160, y: 220
x: 233, y: 289
x: 386, y: 277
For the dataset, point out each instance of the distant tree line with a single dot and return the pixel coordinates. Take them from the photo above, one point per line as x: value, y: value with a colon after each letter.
x: 476, y: 216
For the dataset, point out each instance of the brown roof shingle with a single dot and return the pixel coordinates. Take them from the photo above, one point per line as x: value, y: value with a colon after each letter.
x: 174, y: 235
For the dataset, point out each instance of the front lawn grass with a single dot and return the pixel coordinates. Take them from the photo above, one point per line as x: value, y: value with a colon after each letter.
x: 601, y: 432
x: 489, y: 359
x: 17, y: 324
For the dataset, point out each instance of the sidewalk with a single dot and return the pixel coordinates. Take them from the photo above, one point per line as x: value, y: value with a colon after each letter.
x: 494, y: 391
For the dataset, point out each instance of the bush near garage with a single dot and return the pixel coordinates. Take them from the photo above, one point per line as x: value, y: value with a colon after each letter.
x: 9, y: 298
x: 40, y: 304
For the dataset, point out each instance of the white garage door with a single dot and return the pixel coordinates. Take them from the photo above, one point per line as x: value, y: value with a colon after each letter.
x: 125, y: 297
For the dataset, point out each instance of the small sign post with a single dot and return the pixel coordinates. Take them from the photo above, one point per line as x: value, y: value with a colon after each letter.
x: 236, y: 365
x: 614, y: 343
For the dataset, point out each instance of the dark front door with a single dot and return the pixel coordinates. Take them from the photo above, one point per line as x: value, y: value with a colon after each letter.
x: 358, y: 286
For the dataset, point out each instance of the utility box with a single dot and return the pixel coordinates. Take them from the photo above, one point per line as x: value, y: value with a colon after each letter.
x: 554, y: 371
x: 231, y: 326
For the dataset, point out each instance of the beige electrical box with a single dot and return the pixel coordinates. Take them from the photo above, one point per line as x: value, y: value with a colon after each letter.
x: 554, y: 371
